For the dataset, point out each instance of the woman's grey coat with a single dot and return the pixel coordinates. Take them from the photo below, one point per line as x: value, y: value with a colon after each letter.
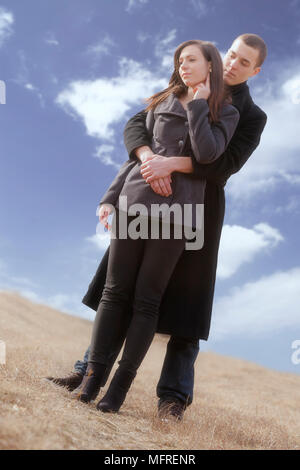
x: 173, y: 130
x: 187, y: 303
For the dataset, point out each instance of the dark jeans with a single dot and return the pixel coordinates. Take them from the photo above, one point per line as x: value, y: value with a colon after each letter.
x: 137, y: 275
x: 177, y: 375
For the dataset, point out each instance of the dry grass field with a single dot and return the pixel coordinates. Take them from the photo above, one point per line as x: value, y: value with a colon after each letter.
x: 237, y: 405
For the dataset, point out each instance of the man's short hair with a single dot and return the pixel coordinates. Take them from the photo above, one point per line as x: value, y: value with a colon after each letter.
x: 255, y: 41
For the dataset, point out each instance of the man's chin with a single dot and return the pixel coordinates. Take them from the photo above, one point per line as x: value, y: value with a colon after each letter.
x: 229, y: 80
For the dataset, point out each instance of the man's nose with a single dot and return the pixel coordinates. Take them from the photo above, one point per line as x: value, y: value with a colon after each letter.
x: 233, y: 63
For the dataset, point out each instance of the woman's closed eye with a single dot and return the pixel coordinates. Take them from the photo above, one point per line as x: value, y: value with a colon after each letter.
x: 189, y: 60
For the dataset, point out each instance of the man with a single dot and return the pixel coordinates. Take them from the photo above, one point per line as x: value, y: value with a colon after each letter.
x: 175, y: 388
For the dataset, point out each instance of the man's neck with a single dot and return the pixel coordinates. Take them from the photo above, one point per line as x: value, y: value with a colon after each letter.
x: 238, y: 86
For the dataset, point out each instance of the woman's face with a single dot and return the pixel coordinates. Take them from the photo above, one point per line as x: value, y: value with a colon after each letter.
x: 193, y: 67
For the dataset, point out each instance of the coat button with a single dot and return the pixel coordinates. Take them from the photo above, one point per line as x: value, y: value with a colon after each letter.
x: 180, y: 143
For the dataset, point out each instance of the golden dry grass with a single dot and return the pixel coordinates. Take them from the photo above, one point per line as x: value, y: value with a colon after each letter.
x: 237, y: 405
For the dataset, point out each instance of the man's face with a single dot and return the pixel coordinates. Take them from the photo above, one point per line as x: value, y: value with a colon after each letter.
x: 239, y: 63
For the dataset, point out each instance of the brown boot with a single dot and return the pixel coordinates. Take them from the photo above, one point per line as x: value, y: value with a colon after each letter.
x: 171, y: 407
x: 70, y: 382
x: 91, y: 383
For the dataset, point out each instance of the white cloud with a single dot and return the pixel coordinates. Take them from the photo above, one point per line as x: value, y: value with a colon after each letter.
x: 292, y: 206
x: 135, y: 3
x: 262, y: 307
x: 51, y: 40
x: 165, y: 48
x: 6, y: 22
x: 62, y: 302
x: 291, y: 89
x: 23, y: 281
x: 29, y: 294
x: 102, y: 47
x: 2, y: 266
x: 103, y: 103
x: 7, y: 281
x: 66, y: 303
x: 200, y: 7
x: 274, y: 162
x: 104, y: 153
x: 23, y: 73
x: 100, y: 240
x: 142, y: 36
x: 23, y: 77
x: 36, y: 91
x: 240, y: 245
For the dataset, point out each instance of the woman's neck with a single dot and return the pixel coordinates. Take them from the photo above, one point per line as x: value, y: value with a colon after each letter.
x: 187, y: 97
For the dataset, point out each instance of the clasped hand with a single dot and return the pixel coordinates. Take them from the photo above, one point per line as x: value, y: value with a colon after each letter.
x: 156, y: 171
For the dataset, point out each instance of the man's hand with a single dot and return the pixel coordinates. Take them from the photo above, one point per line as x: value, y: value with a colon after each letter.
x: 143, y: 153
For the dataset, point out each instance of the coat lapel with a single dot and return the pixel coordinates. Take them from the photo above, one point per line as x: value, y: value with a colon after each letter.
x: 171, y: 105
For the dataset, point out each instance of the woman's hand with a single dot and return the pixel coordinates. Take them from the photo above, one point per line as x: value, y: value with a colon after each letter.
x: 203, y: 89
x: 104, y: 212
x: 156, y: 167
x: 162, y: 186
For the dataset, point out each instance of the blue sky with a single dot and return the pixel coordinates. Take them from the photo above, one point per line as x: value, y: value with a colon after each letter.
x: 75, y: 72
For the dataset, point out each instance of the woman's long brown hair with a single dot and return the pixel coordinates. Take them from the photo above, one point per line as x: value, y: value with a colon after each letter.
x: 219, y: 92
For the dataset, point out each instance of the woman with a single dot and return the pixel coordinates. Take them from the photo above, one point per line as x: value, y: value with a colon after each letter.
x: 190, y: 113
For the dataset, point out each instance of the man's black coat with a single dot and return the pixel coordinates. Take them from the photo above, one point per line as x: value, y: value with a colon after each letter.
x: 187, y: 303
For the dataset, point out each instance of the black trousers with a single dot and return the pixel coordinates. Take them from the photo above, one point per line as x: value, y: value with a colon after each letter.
x: 137, y: 276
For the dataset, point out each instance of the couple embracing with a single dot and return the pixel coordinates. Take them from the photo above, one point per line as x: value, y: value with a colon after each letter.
x: 182, y: 149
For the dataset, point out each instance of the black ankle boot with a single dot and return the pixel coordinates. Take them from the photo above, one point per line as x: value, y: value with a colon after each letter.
x: 91, y: 383
x: 117, y: 391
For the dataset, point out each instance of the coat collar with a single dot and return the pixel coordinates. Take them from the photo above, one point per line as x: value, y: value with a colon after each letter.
x: 241, y: 98
x: 171, y: 105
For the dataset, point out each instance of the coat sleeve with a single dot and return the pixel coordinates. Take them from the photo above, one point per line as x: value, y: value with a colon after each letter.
x: 209, y: 141
x: 240, y: 148
x: 113, y: 192
x: 136, y: 134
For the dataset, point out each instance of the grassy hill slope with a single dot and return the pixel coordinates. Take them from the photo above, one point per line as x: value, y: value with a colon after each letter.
x: 237, y: 404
